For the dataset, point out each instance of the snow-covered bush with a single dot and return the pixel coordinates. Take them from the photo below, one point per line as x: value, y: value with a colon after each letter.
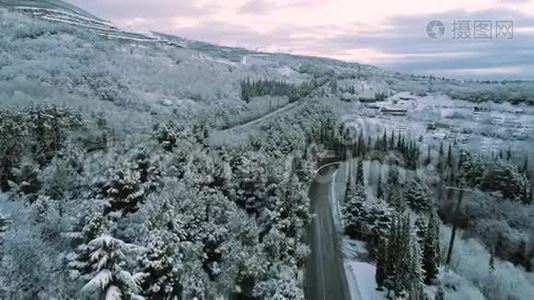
x: 472, y: 261
x: 60, y: 178
x: 455, y: 287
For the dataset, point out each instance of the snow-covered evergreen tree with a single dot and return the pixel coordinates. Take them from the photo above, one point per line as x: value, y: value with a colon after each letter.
x: 95, y: 225
x: 3, y: 223
x: 418, y: 196
x: 123, y: 188
x: 401, y: 269
x: 449, y: 156
x: 441, y: 163
x: 415, y: 272
x: 394, y: 259
x: 167, y: 135
x: 431, y: 252
x: 49, y: 126
x: 398, y: 201
x: 382, y: 262
x: 148, y: 168
x: 420, y: 228
x: 160, y: 270
x: 281, y: 285
x: 294, y: 208
x: 354, y: 210
x: 250, y: 180
x: 302, y: 166
x: 394, y: 190
x: 379, y: 187
x: 440, y: 293
x: 471, y: 170
x: 200, y: 170
x: 505, y: 177
x: 378, y: 217
x: 11, y: 130
x: 349, y: 186
x: 60, y: 178
x: 3, y: 228
x: 108, y: 277
x: 359, y: 173
x: 26, y: 178
x: 405, y: 262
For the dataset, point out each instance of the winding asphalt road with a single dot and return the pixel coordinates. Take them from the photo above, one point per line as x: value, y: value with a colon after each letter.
x: 325, y: 275
x: 262, y: 118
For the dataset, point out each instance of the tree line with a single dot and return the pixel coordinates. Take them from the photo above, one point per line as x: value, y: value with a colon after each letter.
x: 268, y: 87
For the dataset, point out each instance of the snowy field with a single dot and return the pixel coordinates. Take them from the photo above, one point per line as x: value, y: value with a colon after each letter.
x: 485, y: 127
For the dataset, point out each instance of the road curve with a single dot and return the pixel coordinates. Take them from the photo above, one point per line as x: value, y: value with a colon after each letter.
x: 325, y: 274
x: 276, y: 111
x: 268, y: 115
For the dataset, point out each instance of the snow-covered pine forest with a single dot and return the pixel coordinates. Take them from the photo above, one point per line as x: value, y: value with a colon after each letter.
x: 147, y: 166
x: 163, y: 217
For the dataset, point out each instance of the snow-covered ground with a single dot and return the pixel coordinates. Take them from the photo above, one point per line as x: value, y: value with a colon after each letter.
x: 360, y: 275
x: 361, y: 279
x: 354, y: 249
x: 334, y: 201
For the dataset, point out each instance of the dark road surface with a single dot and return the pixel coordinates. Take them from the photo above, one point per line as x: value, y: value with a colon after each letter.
x: 325, y: 275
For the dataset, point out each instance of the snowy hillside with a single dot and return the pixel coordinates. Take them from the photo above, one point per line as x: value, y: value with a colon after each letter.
x: 65, y: 54
x: 62, y: 12
x: 168, y: 75
x: 53, y: 5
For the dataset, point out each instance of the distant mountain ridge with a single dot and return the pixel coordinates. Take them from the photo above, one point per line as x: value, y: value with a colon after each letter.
x: 66, y: 13
x: 48, y: 4
x: 231, y: 64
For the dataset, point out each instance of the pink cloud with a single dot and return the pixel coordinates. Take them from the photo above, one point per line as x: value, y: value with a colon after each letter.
x: 382, y: 32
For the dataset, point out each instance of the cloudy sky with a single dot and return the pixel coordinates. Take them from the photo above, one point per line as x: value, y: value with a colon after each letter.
x: 385, y: 33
